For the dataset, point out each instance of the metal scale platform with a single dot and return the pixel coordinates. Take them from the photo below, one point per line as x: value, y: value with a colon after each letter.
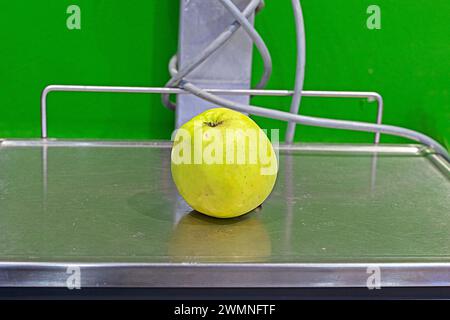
x: 111, y: 209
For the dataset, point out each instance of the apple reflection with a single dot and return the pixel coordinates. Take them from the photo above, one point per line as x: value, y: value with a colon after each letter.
x: 200, y: 238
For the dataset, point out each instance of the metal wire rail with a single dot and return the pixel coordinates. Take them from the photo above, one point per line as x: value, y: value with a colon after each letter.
x: 255, y: 92
x: 371, y: 96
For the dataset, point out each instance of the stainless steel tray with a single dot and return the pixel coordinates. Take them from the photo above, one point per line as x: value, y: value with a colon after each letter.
x: 111, y: 209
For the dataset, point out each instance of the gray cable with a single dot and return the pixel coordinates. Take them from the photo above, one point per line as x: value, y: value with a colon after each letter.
x: 300, y: 69
x: 317, y: 122
x: 173, y: 66
x: 207, y: 52
x: 256, y: 38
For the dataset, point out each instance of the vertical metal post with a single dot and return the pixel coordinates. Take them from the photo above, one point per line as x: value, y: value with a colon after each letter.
x: 202, y: 21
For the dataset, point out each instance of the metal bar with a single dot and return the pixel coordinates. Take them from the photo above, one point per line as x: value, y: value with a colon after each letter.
x: 404, y: 149
x: 167, y: 275
x: 159, y: 90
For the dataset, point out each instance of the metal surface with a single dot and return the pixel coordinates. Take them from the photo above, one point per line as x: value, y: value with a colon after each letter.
x: 166, y: 275
x: 254, y: 92
x: 111, y: 209
x: 201, y: 22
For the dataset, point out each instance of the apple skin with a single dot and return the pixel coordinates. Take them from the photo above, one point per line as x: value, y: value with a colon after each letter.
x: 224, y: 190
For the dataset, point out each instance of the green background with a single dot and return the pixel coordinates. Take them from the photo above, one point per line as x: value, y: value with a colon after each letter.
x: 130, y: 43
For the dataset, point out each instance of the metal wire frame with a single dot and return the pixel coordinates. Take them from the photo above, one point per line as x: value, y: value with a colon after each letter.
x: 371, y: 96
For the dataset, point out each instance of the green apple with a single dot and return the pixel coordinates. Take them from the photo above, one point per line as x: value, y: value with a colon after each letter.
x: 223, y: 164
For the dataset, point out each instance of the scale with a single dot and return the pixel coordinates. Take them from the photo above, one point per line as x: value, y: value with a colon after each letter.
x: 339, y: 213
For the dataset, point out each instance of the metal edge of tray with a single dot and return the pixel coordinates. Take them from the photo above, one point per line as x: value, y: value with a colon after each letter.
x: 222, y: 275
x: 370, y: 149
x: 411, y: 149
x: 441, y: 164
x: 85, y: 143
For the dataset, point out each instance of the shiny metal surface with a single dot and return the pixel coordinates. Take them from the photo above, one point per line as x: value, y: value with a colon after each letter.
x: 169, y: 275
x: 111, y: 209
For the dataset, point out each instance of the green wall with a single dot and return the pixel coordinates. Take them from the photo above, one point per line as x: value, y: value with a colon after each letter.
x: 130, y: 42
